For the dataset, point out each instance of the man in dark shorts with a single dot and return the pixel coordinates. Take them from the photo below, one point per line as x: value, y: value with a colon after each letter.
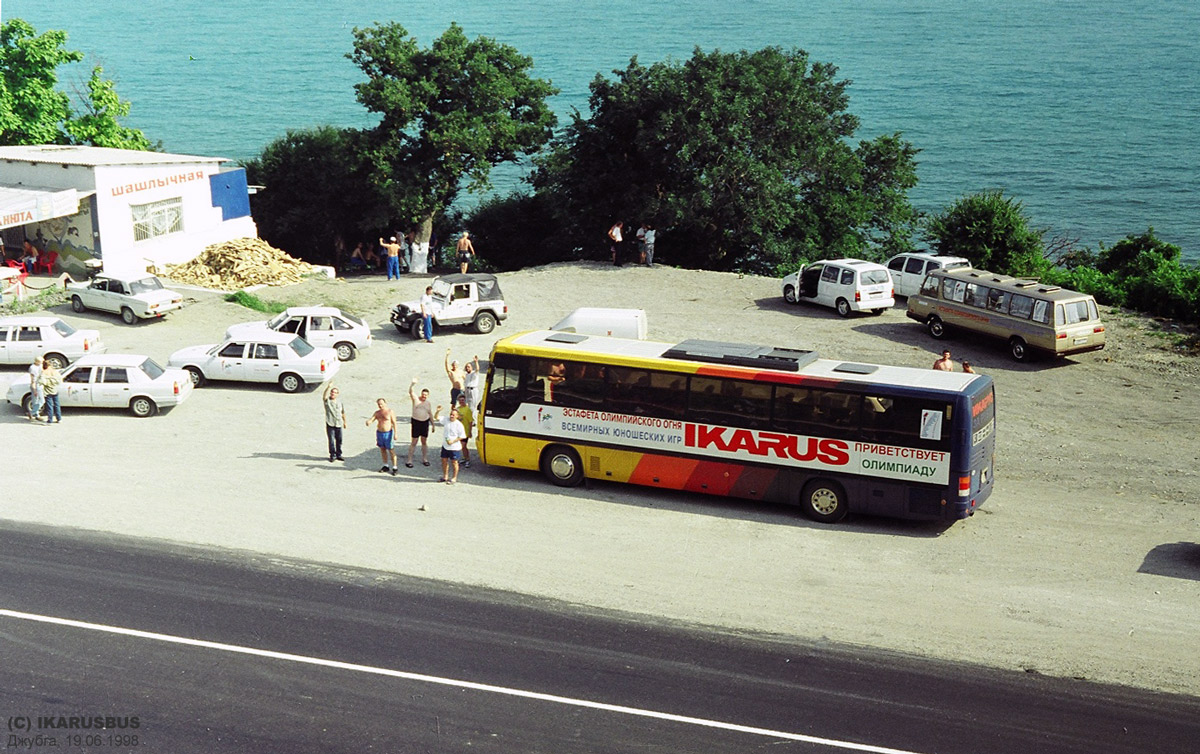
x: 422, y: 416
x: 466, y: 250
x: 385, y: 434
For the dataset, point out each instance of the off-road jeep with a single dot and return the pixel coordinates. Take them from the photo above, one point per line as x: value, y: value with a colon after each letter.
x: 472, y: 300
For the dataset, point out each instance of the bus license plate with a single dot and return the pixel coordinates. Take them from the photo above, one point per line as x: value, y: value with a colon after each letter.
x: 1080, y: 341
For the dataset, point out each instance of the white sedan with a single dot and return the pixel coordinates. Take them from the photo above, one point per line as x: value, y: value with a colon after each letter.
x: 267, y: 356
x: 137, y: 383
x: 134, y: 297
x: 322, y: 326
x: 26, y: 336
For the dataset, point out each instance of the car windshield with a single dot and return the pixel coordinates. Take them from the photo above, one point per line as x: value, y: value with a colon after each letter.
x: 874, y: 277
x: 301, y: 346
x: 275, y: 322
x: 152, y: 369
x: 441, y: 289
x: 63, y: 328
x: 145, y: 285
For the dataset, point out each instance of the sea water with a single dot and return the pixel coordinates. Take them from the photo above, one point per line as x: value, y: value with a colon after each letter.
x: 1087, y: 112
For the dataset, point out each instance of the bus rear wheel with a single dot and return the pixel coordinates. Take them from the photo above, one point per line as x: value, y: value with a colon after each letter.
x: 562, y: 466
x: 1018, y: 349
x: 824, y: 501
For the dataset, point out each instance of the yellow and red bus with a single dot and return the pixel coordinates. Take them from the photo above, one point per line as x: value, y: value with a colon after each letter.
x: 740, y: 420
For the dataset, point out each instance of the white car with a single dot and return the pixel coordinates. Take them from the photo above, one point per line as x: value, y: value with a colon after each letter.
x: 134, y: 297
x: 908, y: 271
x: 26, y: 336
x: 848, y: 285
x: 268, y: 356
x: 114, y: 381
x: 322, y: 326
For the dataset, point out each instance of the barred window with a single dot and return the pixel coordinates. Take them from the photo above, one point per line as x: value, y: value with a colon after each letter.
x: 157, y: 219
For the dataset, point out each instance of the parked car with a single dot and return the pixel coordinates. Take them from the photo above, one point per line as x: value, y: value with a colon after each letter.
x: 268, y: 356
x: 23, y: 337
x: 908, y: 271
x: 848, y: 285
x: 120, y: 380
x: 134, y: 297
x: 471, y: 300
x: 322, y: 326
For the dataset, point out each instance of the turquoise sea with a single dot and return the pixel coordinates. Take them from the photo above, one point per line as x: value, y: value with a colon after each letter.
x: 1088, y: 112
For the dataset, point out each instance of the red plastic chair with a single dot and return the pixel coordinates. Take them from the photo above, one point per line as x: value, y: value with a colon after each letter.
x: 46, y: 260
x: 16, y: 265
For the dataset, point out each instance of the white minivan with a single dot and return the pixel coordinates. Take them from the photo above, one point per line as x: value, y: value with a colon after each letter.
x: 908, y: 271
x: 848, y: 285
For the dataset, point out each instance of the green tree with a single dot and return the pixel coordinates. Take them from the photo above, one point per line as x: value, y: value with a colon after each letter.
x: 449, y: 113
x: 743, y: 161
x: 991, y: 230
x: 34, y: 111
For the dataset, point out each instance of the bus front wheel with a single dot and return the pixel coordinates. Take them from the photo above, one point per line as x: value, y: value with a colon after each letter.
x: 824, y: 501
x: 562, y: 466
x: 936, y: 328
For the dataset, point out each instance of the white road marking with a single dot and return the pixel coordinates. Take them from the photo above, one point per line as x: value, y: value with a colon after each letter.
x: 168, y: 638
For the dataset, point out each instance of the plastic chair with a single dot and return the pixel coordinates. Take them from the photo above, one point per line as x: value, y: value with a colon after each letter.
x: 16, y: 265
x: 46, y: 260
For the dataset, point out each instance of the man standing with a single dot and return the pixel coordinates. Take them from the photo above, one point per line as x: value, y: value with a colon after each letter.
x: 616, y: 239
x: 35, y: 389
x: 649, y: 260
x: 335, y: 421
x: 457, y: 377
x: 944, y: 364
x: 50, y: 380
x: 452, y: 438
x: 393, y: 257
x: 385, y: 434
x: 466, y: 250
x: 467, y: 417
x: 472, y: 383
x: 421, y: 417
x: 427, y: 313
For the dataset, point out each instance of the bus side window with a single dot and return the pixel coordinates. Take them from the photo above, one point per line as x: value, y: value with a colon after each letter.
x: 898, y: 422
x: 794, y: 410
x: 504, y: 392
x: 953, y: 290
x: 1041, y: 311
x: 995, y: 300
x: 1020, y: 306
x: 582, y: 388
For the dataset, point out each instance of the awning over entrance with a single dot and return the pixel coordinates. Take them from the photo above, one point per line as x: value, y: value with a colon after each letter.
x: 21, y: 205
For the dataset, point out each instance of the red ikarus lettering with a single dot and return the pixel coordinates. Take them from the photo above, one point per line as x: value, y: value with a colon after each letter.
x: 832, y: 452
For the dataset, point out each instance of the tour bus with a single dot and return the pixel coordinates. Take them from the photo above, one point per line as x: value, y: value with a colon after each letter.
x: 746, y: 421
x: 1027, y: 315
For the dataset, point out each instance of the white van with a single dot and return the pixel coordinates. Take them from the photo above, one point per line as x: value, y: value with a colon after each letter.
x: 908, y: 271
x: 612, y: 323
x: 848, y: 285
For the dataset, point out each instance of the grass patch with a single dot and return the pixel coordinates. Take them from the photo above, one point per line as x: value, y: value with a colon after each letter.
x: 42, y: 300
x: 250, y: 301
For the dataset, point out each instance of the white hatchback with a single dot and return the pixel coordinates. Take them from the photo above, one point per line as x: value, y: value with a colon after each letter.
x: 267, y: 356
x: 322, y: 326
x: 24, y: 337
x: 908, y: 271
x: 137, y: 383
x: 848, y: 285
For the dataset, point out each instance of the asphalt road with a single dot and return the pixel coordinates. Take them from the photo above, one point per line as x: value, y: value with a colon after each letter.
x: 219, y: 651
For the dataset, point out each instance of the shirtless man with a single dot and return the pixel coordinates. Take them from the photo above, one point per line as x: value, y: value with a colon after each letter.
x: 465, y: 251
x: 944, y: 364
x: 422, y: 416
x: 457, y: 378
x: 385, y: 434
x: 393, y: 257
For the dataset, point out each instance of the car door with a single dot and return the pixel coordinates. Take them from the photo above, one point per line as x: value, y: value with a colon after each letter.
x: 110, y: 387
x: 229, y: 363
x: 320, y: 331
x: 25, y: 342
x: 76, y: 388
x: 262, y: 362
x: 6, y: 356
x: 829, y: 288
x: 915, y: 270
x: 102, y: 295
x: 461, y: 308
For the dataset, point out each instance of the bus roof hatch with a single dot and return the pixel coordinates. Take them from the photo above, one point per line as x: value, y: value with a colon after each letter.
x: 742, y: 354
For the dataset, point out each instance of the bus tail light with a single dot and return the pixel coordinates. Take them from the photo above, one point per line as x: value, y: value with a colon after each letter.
x: 964, y: 486
x: 1061, y: 336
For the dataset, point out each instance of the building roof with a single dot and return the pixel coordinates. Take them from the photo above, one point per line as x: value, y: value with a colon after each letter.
x: 56, y: 154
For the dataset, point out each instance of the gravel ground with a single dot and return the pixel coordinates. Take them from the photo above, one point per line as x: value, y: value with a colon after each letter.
x: 1084, y: 563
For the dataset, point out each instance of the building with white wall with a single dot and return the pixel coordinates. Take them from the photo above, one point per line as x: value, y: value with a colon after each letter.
x: 130, y: 209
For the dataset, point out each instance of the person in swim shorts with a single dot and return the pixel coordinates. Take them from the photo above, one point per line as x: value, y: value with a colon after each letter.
x: 385, y: 435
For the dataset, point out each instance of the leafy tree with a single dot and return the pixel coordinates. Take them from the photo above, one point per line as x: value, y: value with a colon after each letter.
x: 991, y: 230
x: 34, y: 111
x: 449, y: 113
x: 742, y: 161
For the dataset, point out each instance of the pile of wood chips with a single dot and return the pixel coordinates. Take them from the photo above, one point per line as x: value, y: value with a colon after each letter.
x: 243, y: 262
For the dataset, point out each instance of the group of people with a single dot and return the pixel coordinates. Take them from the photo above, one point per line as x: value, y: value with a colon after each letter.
x: 400, y: 248
x: 44, y: 382
x: 456, y: 426
x: 946, y: 364
x: 644, y: 236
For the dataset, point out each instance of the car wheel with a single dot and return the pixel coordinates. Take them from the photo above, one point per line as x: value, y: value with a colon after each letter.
x: 789, y: 295
x: 345, y: 351
x: 1018, y: 349
x: 26, y: 403
x: 142, y: 407
x: 290, y: 383
x: 196, y: 375
x: 561, y: 465
x: 58, y: 360
x: 843, y: 307
x: 77, y: 304
x: 417, y: 328
x: 824, y: 501
x: 127, y: 316
x: 485, y: 322
x: 937, y: 328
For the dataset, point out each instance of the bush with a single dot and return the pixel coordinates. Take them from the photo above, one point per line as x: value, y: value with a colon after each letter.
x: 250, y: 301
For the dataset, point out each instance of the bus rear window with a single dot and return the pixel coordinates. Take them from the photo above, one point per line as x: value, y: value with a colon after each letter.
x: 1075, y: 312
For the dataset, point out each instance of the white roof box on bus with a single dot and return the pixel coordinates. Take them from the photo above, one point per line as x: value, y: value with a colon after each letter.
x: 614, y: 323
